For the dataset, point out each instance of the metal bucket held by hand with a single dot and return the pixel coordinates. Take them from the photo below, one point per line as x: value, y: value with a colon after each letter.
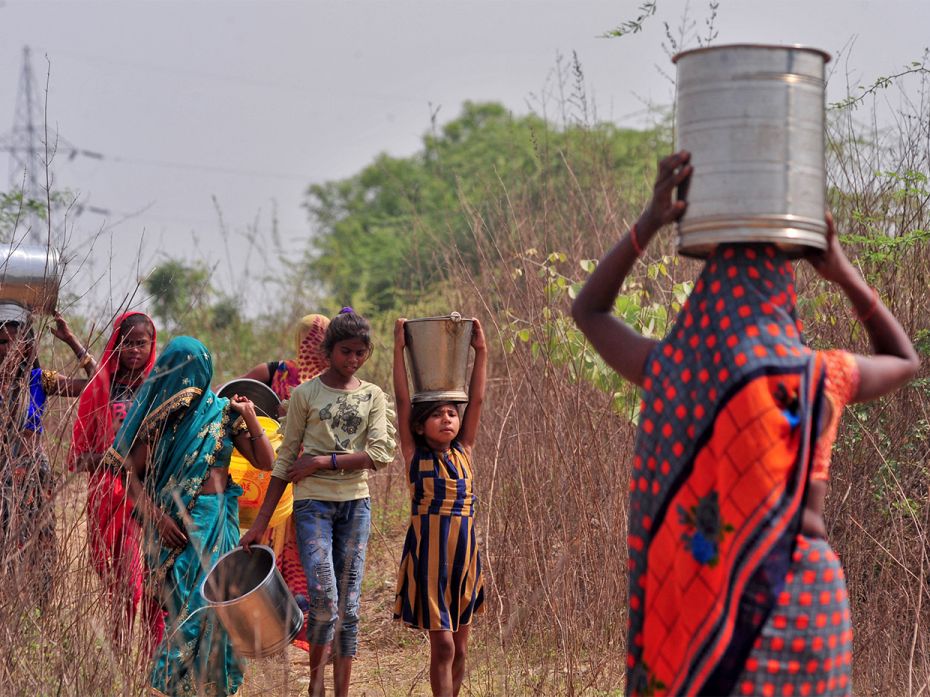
x: 752, y: 117
x: 252, y: 601
x: 29, y: 276
x: 437, y: 350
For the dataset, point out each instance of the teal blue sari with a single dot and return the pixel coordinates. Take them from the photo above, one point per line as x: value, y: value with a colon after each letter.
x: 189, y: 430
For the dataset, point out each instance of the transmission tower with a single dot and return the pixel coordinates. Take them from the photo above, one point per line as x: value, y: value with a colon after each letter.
x: 26, y: 148
x: 26, y: 145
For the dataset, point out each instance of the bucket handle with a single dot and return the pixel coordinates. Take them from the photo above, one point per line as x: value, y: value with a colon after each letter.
x: 186, y: 620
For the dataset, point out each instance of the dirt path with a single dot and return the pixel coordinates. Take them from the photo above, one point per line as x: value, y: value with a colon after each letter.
x: 392, y: 660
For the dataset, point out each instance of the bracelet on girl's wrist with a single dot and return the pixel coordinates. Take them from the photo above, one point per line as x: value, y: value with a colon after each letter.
x: 80, y: 354
x: 255, y: 438
x: 333, y: 461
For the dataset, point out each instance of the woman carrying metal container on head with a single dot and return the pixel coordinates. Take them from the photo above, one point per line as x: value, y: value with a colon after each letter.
x: 733, y: 589
x: 26, y: 511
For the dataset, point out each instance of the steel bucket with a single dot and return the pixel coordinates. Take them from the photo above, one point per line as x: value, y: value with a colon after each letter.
x: 437, y: 355
x: 29, y: 276
x: 252, y: 601
x: 752, y: 117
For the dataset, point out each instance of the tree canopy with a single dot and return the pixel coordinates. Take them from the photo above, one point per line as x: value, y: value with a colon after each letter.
x: 384, y: 234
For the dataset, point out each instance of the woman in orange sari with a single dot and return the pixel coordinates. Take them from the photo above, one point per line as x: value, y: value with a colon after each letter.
x: 733, y: 588
x: 283, y: 376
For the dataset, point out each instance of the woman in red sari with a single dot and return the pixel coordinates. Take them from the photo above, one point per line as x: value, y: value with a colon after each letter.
x: 113, y: 535
x: 733, y: 588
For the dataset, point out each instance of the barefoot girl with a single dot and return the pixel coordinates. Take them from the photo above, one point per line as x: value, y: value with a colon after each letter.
x: 343, y: 425
x: 113, y: 535
x: 283, y: 377
x: 439, y: 586
x: 733, y: 588
x: 175, y: 446
x: 26, y: 513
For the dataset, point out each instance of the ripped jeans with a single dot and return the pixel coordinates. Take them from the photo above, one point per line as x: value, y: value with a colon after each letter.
x: 333, y: 539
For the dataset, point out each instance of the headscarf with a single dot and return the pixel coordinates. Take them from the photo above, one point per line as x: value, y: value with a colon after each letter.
x: 177, y: 410
x: 311, y: 358
x: 93, y: 427
x: 719, y: 474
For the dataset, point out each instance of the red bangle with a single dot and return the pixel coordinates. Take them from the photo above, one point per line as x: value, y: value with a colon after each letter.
x: 634, y: 241
x: 865, y: 316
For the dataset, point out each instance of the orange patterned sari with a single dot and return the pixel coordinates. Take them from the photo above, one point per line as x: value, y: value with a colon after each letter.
x: 730, y: 403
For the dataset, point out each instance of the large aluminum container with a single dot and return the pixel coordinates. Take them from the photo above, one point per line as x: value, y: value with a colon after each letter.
x: 29, y: 276
x: 437, y: 351
x: 752, y: 117
x: 252, y: 601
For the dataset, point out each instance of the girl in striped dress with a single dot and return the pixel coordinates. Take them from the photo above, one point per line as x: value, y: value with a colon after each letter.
x: 439, y: 585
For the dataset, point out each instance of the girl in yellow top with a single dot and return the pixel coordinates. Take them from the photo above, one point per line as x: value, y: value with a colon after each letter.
x: 340, y: 426
x: 439, y: 586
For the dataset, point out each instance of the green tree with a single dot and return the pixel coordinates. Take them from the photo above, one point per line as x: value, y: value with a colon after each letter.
x: 384, y: 235
x: 176, y: 289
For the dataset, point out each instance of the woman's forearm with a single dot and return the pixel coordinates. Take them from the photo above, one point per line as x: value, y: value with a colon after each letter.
x: 273, y: 495
x: 141, y: 501
x: 600, y: 291
x: 885, y: 332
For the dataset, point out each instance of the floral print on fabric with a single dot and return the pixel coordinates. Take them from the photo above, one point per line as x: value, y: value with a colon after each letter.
x: 705, y: 529
x: 344, y: 414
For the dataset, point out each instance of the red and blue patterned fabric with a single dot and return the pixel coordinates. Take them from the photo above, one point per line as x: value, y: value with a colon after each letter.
x: 731, y: 400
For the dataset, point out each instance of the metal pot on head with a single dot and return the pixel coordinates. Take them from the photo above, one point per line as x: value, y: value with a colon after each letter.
x: 437, y: 352
x: 752, y: 117
x: 29, y: 277
x: 252, y: 601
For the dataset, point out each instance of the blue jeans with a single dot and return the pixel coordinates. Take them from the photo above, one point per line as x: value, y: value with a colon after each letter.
x: 333, y: 539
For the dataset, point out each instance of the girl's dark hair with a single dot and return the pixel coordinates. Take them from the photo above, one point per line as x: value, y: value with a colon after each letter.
x: 345, y: 326
x: 419, y: 413
x: 137, y: 320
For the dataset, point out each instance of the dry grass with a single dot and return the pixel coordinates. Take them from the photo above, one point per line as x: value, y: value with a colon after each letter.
x: 553, y: 464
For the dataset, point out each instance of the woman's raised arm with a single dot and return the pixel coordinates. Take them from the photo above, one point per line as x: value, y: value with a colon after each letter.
x: 624, y: 349
x: 895, y: 361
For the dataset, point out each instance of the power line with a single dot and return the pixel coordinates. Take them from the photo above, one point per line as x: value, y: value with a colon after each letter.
x: 205, y: 168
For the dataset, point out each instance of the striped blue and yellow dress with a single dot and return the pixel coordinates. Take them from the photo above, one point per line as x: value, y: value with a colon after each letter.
x: 439, y: 585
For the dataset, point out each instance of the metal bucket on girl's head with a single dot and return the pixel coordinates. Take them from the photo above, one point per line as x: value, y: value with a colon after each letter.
x: 437, y: 352
x: 29, y: 277
x: 252, y: 601
x: 752, y: 117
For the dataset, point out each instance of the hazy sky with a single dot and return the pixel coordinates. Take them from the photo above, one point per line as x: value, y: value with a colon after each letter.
x: 248, y: 102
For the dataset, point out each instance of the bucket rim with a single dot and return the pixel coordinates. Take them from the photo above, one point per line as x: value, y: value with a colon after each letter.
x: 238, y: 548
x: 448, y: 317
x: 827, y: 57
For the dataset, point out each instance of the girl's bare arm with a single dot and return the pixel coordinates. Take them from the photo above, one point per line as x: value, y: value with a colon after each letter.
x: 402, y: 393
x: 468, y: 434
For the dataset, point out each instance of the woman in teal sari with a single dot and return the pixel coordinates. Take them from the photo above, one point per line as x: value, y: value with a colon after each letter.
x: 175, y: 446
